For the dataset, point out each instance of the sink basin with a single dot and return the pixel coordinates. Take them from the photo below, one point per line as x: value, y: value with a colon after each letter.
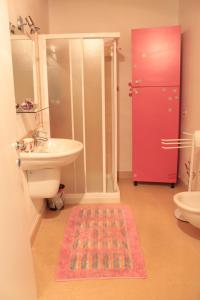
x: 55, y: 154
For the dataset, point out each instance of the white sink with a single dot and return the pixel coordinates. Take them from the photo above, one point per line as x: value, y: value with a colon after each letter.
x: 43, y: 166
x: 56, y: 153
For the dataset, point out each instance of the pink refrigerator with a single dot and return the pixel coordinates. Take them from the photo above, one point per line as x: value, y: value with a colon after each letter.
x: 155, y: 92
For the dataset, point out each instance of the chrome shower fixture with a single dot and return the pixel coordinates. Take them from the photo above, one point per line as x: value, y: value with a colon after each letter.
x: 32, y: 25
x: 21, y: 24
x: 12, y: 28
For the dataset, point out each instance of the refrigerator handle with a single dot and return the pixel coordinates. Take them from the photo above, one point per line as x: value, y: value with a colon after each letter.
x: 133, y: 91
x: 130, y: 84
x: 138, y: 81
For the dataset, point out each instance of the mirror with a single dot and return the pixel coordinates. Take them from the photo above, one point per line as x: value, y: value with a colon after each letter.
x: 24, y: 71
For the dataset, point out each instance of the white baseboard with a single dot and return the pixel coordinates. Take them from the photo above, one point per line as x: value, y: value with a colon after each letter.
x: 36, y: 223
x: 92, y: 198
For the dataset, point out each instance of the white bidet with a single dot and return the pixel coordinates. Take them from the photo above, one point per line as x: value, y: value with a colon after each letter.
x: 189, y: 205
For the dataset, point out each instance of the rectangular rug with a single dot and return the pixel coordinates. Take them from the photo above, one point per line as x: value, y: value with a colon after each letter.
x: 100, y: 241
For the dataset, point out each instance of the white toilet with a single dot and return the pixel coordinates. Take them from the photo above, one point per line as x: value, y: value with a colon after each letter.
x: 189, y: 206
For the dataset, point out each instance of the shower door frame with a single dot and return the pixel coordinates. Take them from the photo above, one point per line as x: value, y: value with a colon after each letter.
x: 86, y: 197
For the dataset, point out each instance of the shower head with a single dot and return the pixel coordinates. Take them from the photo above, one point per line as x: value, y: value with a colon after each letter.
x: 12, y: 28
x: 21, y: 24
x: 31, y: 24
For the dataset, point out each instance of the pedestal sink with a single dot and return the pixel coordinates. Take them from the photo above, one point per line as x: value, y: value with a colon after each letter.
x: 44, y: 164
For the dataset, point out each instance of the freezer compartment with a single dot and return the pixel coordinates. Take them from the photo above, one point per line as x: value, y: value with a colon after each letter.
x: 156, y: 56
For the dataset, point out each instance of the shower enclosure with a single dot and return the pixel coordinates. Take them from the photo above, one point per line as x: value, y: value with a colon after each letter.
x: 79, y: 86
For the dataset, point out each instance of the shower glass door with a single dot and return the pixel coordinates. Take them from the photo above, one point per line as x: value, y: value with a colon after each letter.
x: 94, y: 113
x: 76, y: 95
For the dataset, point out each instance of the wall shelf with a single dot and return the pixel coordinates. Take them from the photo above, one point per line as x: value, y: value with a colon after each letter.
x: 30, y: 111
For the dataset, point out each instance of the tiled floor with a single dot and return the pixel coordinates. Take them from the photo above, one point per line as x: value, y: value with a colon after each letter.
x: 171, y: 250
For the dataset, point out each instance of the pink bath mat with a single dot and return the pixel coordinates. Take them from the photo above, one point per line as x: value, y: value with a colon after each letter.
x: 100, y: 241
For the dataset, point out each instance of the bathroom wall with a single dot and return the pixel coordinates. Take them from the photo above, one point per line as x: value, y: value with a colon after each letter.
x: 190, y: 23
x: 16, y: 275
x: 38, y: 10
x: 114, y: 15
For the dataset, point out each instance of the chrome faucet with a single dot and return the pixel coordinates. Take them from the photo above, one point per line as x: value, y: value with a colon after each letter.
x: 40, y: 136
x: 18, y: 146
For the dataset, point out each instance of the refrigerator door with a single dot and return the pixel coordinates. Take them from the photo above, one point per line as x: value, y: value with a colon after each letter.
x: 156, y: 56
x: 155, y: 117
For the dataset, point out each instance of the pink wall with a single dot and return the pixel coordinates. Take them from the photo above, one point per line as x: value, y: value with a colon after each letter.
x: 190, y: 23
x: 114, y: 15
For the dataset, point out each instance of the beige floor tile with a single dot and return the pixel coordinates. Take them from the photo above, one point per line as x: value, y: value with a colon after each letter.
x: 171, y: 250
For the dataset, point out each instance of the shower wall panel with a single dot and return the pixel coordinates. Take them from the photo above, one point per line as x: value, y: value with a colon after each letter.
x: 58, y: 72
x: 82, y: 99
x: 93, y: 113
x: 77, y: 97
x: 108, y: 119
x: 59, y: 88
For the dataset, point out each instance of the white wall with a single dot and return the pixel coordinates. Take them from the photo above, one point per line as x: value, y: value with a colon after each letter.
x: 190, y: 23
x: 38, y: 10
x: 114, y: 15
x: 16, y: 275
